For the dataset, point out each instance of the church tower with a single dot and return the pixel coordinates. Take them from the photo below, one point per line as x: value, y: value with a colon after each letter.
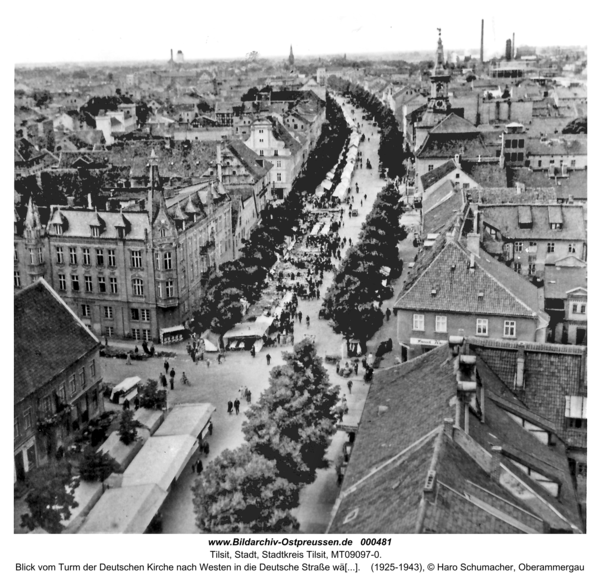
x: 291, y: 57
x: 439, y: 101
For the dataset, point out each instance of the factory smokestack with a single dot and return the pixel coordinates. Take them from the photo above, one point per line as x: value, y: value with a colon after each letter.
x: 481, y: 49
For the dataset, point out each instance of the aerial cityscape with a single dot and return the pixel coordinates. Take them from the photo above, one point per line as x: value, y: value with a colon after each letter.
x: 312, y: 294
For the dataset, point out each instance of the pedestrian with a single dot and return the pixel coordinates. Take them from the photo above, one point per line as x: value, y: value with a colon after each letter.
x: 172, y: 376
x: 199, y: 466
x: 126, y: 404
x: 210, y: 428
x: 163, y: 380
x: 300, y: 317
x: 193, y: 468
x: 337, y: 367
x: 253, y: 351
x: 355, y: 367
x: 206, y: 448
x: 388, y: 313
x: 350, y: 387
x: 230, y: 407
x: 136, y: 350
x: 236, y: 405
x: 219, y: 358
x: 268, y: 359
x: 307, y: 321
x: 172, y: 382
x: 128, y: 362
x: 166, y: 366
x: 136, y: 402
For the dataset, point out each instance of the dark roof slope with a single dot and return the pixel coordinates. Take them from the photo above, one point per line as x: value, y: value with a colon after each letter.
x: 48, y: 338
x: 437, y: 174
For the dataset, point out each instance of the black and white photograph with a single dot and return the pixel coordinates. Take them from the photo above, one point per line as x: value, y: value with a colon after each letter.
x: 305, y: 271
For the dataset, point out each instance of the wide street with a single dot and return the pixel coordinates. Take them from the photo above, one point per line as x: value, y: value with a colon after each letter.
x: 219, y: 383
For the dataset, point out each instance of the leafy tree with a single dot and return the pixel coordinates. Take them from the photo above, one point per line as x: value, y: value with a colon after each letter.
x: 251, y: 94
x: 96, y: 465
x: 50, y: 498
x: 151, y: 396
x: 128, y: 428
x: 292, y: 422
x: 241, y: 492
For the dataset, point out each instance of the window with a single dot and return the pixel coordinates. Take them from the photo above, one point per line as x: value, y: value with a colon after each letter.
x: 278, y: 164
x: 93, y: 369
x: 278, y: 177
x: 27, y: 417
x: 430, y: 168
x: 100, y: 257
x: 550, y: 247
x: 95, y: 231
x: 108, y: 312
x: 517, y: 267
x: 88, y: 284
x: 102, y: 284
x: 275, y: 152
x: 465, y: 185
x: 518, y: 246
x: 551, y: 161
x: 162, y: 232
x: 539, y: 164
x: 482, y: 327
x: 531, y: 268
x: 556, y: 226
x: 62, y: 282
x: 113, y: 286
x: 576, y: 411
x: 86, y: 310
x: 521, y: 143
x: 532, y: 246
x: 573, y: 163
x: 261, y: 152
x: 170, y: 288
x: 17, y: 427
x: 441, y: 324
x: 138, y: 287
x: 167, y: 261
x: 112, y: 259
x: 17, y: 279
x: 572, y: 248
x: 135, y: 314
x: 581, y: 469
x: 136, y: 333
x: 146, y: 335
x: 60, y: 256
x: 457, y: 175
x: 86, y: 256
x: 72, y: 255
x: 418, y: 322
x: 75, y: 282
x: 109, y: 331
x: 73, y: 385
x: 145, y: 314
x: 578, y: 307
x: 510, y: 328
x: 136, y: 259
x: 82, y: 377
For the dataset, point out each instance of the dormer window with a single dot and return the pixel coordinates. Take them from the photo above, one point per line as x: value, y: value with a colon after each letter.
x: 95, y: 231
x: 121, y: 232
x: 556, y: 226
x: 162, y: 232
x: 58, y: 229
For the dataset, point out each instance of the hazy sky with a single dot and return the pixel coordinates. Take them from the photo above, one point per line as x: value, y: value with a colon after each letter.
x: 69, y: 30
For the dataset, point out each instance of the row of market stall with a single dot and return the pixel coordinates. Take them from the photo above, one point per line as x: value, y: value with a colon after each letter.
x: 137, y: 494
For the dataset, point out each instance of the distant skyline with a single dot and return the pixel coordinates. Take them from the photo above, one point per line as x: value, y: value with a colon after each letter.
x: 114, y: 31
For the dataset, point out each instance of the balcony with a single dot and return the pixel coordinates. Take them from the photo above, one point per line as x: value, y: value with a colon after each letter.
x: 167, y: 302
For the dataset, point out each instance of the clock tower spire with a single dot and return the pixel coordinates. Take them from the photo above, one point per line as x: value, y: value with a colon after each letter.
x: 440, y: 78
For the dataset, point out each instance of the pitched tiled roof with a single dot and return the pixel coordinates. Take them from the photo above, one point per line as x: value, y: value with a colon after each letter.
x: 458, y: 290
x: 508, y: 195
x: 486, y: 174
x: 575, y: 145
x: 441, y: 207
x: 551, y: 372
x: 575, y: 184
x: 48, y: 338
x: 437, y: 174
x: 506, y: 219
x: 249, y: 159
x: 558, y: 280
x: 280, y: 132
x: 453, y: 124
x: 448, y: 145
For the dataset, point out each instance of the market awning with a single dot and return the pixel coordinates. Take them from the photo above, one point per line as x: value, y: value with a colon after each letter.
x: 160, y: 461
x: 125, y: 510
x: 126, y: 387
x: 258, y: 328
x: 188, y: 419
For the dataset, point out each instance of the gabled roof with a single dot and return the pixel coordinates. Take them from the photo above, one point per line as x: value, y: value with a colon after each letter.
x: 453, y: 124
x: 437, y: 174
x: 443, y: 205
x: 560, y: 280
x: 508, y: 217
x: 48, y: 336
x: 448, y: 145
x: 249, y: 158
x: 458, y: 289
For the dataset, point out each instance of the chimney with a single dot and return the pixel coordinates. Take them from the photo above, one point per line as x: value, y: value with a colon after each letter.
x: 107, y: 205
x: 219, y: 165
x: 482, y: 401
x: 449, y: 428
x: 481, y: 49
x: 514, y: 47
x: 429, y: 488
x: 455, y: 343
x: 89, y: 198
x: 466, y: 385
x: 520, y: 376
x: 473, y: 243
x: 70, y: 202
x: 496, y: 461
